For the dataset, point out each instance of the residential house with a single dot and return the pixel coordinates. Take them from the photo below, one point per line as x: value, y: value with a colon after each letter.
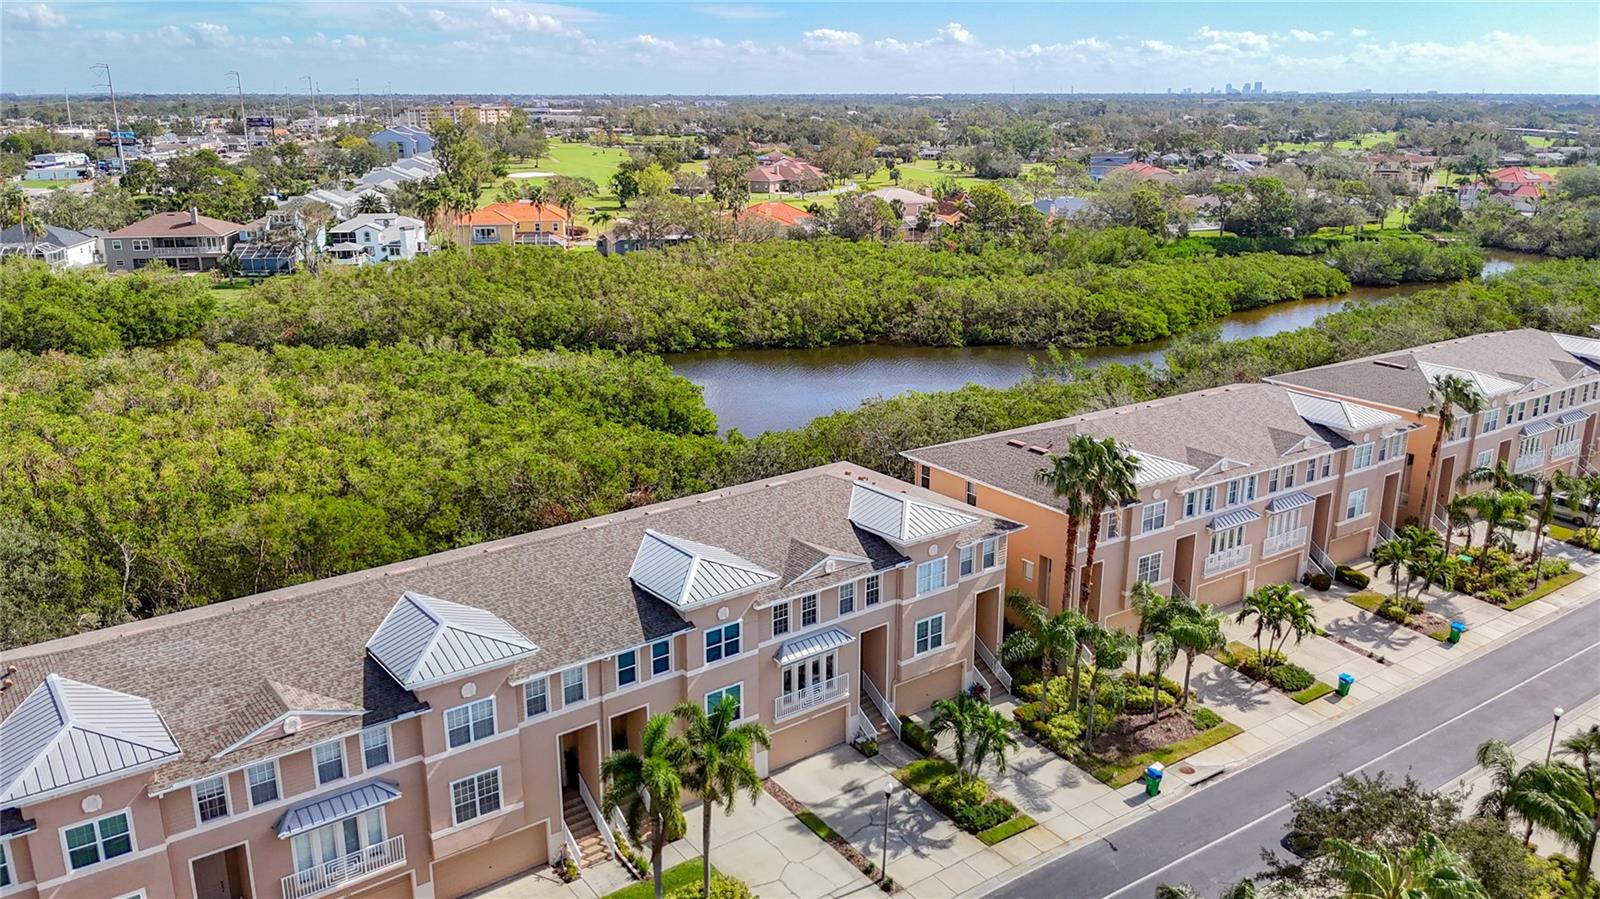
x: 1143, y: 171
x: 1238, y: 486
x: 387, y: 178
x: 1101, y: 164
x: 377, y: 237
x: 777, y: 173
x: 780, y: 214
x: 518, y: 222
x: 911, y: 202
x: 430, y: 727
x: 406, y: 140
x: 622, y: 240
x: 60, y: 247
x: 186, y: 241
x: 1412, y: 169
x: 1520, y: 187
x: 1062, y: 207
x: 1539, y: 393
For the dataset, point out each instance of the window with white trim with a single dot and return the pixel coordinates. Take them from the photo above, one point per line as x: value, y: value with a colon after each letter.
x: 261, y: 782
x: 469, y: 723
x: 1241, y: 490
x: 991, y: 552
x: 1149, y: 571
x: 780, y: 619
x: 930, y: 634
x: 1360, y: 456
x: 931, y: 575
x: 714, y: 699
x: 627, y: 667
x: 211, y: 798
x: 847, y: 597
x: 1484, y: 459
x: 722, y: 642
x: 536, y: 697
x: 1272, y: 479
x: 1110, y: 526
x: 574, y: 684
x: 1460, y: 427
x: 329, y: 760
x: 375, y: 749
x: 1491, y: 420
x: 1027, y: 569
x: 1224, y: 540
x: 96, y: 841
x: 141, y: 244
x: 1199, y: 502
x: 969, y: 558
x: 341, y: 839
x: 808, y: 610
x: 924, y: 476
x: 1355, y: 505
x: 475, y: 796
x: 5, y: 867
x: 1153, y: 517
x: 660, y: 658
x: 872, y: 590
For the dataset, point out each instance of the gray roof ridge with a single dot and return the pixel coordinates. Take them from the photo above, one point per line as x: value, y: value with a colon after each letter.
x: 843, y: 470
x: 1411, y: 351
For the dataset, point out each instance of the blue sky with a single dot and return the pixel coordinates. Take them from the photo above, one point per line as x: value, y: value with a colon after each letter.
x: 743, y: 48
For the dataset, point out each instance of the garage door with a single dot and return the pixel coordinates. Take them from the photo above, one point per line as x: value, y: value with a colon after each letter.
x: 477, y: 868
x: 1279, y: 571
x: 399, y: 889
x: 795, y: 742
x: 918, y: 693
x: 1349, y: 549
x: 1220, y: 593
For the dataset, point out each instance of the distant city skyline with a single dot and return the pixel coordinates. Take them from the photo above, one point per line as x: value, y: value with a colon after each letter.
x: 756, y: 48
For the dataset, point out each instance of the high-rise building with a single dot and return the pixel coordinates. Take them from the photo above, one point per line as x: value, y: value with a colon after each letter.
x: 1258, y: 87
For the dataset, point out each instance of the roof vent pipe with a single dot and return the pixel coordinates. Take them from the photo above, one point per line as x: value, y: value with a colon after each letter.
x: 194, y: 215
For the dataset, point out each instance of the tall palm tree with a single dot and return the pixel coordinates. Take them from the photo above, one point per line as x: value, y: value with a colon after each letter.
x: 1196, y: 631
x: 1458, y: 516
x: 1052, y: 639
x: 1448, y: 396
x: 993, y: 740
x: 1067, y: 476
x: 1110, y: 485
x: 719, y: 763
x: 1154, y: 610
x: 1503, y: 515
x: 1585, y: 747
x: 1162, y: 653
x: 369, y: 203
x: 1507, y: 780
x: 1108, y: 650
x: 1392, y: 555
x: 1428, y: 870
x: 1546, y: 488
x: 646, y: 785
x: 1560, y: 798
x: 1279, y: 613
x: 958, y: 717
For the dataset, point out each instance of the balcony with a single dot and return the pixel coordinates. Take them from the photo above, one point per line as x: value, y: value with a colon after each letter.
x: 1277, y: 543
x: 315, y: 881
x: 174, y: 252
x: 1564, y: 450
x: 1228, y: 559
x: 1529, y: 461
x: 811, y: 696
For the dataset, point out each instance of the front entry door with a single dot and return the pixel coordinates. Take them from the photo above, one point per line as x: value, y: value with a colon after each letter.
x: 569, y: 768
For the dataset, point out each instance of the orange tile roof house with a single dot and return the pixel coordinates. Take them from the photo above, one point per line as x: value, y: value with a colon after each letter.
x: 1520, y: 187
x: 782, y: 213
x: 1144, y: 172
x: 513, y: 223
x: 187, y: 241
x: 778, y: 173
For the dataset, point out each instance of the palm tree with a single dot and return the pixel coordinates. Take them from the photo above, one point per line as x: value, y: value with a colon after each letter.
x: 1154, y: 610
x: 1196, y: 631
x: 1108, y: 650
x: 1547, y: 487
x: 369, y: 203
x: 1458, y: 516
x: 1393, y: 555
x: 1280, y: 613
x: 1428, y: 870
x: 1447, y: 396
x: 1162, y: 653
x: 1585, y: 747
x: 993, y: 740
x: 1109, y: 486
x: 1067, y: 477
x: 958, y: 717
x: 646, y: 785
x: 719, y: 763
x: 1506, y: 781
x: 1052, y: 639
x: 1500, y: 511
x: 1561, y: 798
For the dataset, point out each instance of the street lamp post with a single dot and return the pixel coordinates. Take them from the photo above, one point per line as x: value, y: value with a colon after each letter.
x: 888, y: 791
x: 1550, y: 750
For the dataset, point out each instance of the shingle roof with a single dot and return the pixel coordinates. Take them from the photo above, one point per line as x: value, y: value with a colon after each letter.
x: 177, y: 224
x: 1401, y: 379
x: 1177, y: 439
x: 565, y: 588
x: 67, y: 733
x: 47, y: 236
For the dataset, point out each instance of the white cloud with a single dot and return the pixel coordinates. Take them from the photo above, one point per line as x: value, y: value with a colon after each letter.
x: 956, y: 34
x: 1233, y: 41
x: 211, y: 34
x: 36, y: 16
x: 527, y: 20
x: 831, y: 39
x: 1305, y: 37
x: 173, y: 35
x: 438, y: 18
x: 1359, y: 32
x: 738, y: 12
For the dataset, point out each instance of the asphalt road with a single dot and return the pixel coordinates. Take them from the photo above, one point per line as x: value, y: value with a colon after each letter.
x: 1214, y: 836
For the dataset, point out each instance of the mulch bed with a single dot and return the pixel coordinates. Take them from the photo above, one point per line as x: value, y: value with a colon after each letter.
x: 840, y: 845
x: 1133, y: 734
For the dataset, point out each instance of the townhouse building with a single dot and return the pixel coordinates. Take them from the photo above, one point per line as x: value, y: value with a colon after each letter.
x: 1539, y: 391
x: 1238, y: 486
x: 429, y: 727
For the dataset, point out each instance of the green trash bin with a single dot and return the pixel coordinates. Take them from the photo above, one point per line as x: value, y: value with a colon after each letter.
x: 1457, y: 628
x: 1152, y: 779
x: 1345, y: 682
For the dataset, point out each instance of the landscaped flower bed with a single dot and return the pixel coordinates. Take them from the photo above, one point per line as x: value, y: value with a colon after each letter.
x: 1502, y: 578
x: 967, y: 802
x: 1285, y: 676
x: 1410, y: 615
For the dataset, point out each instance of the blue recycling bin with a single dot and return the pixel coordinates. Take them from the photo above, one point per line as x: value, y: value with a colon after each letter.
x: 1345, y: 682
x: 1152, y: 779
x: 1457, y: 628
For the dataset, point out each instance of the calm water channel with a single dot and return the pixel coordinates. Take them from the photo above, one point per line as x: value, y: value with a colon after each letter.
x: 763, y: 390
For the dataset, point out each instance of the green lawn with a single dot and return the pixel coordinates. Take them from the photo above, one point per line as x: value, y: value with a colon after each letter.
x: 678, y: 875
x: 1371, y: 139
x: 1544, y: 589
x: 43, y: 184
x: 1007, y: 830
x: 1365, y: 600
x: 1230, y: 654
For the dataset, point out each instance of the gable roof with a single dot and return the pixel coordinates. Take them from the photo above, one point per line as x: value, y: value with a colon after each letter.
x: 687, y: 574
x: 900, y: 518
x: 178, y: 224
x: 48, y: 236
x: 808, y: 560
x: 67, y: 734
x: 782, y: 213
x: 512, y: 213
x: 424, y: 640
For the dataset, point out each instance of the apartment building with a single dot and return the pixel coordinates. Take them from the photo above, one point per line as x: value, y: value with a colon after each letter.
x: 424, y: 117
x: 187, y: 241
x: 1540, y: 392
x: 429, y: 727
x: 1239, y: 486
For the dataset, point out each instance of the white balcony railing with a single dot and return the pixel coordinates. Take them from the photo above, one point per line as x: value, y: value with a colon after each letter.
x: 1227, y: 559
x: 1277, y: 543
x: 330, y: 875
x: 1564, y: 450
x: 811, y: 696
x: 183, y: 251
x: 1529, y: 461
x: 993, y: 661
x: 884, y: 708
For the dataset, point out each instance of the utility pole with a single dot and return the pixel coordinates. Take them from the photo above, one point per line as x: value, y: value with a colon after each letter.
x: 389, y: 86
x: 311, y: 92
x: 69, y: 109
x: 116, y: 118
x: 358, y: 98
x: 244, y: 126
